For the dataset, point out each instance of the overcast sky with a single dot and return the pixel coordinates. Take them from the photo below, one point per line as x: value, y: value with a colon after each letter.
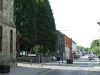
x: 78, y: 19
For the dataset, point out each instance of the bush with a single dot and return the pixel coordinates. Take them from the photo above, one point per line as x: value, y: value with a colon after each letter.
x: 23, y: 59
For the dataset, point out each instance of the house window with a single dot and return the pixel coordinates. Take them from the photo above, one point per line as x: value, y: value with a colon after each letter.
x: 1, y: 4
x: 0, y: 39
x: 11, y: 41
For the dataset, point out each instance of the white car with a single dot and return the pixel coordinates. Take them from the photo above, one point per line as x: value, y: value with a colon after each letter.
x: 97, y: 60
x: 91, y: 57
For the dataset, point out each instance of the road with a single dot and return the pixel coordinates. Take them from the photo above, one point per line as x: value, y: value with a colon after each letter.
x: 72, y: 72
x: 83, y: 67
x: 85, y: 62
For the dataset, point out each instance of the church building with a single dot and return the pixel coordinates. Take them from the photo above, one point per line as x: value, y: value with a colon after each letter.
x: 7, y: 32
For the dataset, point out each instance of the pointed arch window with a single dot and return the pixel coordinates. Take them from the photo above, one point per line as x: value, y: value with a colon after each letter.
x: 0, y: 39
x: 11, y: 41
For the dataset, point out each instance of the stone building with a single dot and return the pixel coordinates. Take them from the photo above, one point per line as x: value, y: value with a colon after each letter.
x: 7, y: 32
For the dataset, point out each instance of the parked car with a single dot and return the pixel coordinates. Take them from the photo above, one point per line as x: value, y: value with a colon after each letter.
x: 54, y: 58
x: 91, y: 57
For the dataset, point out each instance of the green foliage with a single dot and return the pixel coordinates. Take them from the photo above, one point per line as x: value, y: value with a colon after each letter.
x: 95, y: 46
x: 83, y: 48
x: 37, y: 49
x: 95, y: 43
x: 96, y: 50
x: 24, y: 14
x: 35, y: 25
x: 80, y: 48
x: 87, y: 49
x: 24, y: 59
x: 46, y: 31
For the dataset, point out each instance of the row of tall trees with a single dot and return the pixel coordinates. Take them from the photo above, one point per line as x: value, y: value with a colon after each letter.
x: 35, y: 25
x: 81, y: 48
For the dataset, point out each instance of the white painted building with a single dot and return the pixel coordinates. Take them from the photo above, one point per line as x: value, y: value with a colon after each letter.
x: 67, y: 53
x: 73, y: 46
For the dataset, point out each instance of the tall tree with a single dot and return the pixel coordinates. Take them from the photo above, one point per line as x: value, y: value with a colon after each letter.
x: 95, y: 46
x: 35, y: 25
x: 95, y: 43
x: 46, y: 31
x: 24, y: 15
x: 80, y: 48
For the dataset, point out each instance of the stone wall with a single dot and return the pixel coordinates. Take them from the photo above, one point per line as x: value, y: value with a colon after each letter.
x: 7, y: 24
x: 0, y: 14
x: 6, y: 41
x: 8, y: 10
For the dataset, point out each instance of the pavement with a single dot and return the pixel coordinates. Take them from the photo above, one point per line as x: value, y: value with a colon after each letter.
x: 26, y: 69
x: 38, y: 69
x: 55, y: 65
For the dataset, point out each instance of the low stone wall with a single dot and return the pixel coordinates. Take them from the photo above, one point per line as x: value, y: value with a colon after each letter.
x: 34, y: 59
x: 48, y: 59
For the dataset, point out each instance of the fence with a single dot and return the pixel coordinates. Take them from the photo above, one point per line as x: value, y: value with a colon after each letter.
x: 37, y: 59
